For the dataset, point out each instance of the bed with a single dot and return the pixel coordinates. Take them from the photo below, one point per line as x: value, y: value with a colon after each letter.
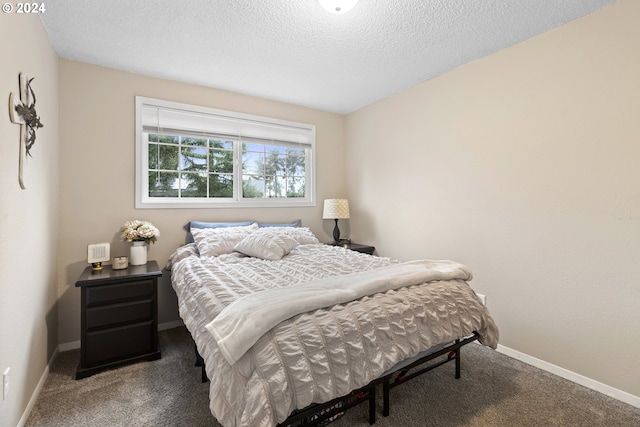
x: 283, y: 322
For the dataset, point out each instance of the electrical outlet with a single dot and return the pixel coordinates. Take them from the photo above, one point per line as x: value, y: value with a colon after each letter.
x: 483, y: 298
x: 6, y: 381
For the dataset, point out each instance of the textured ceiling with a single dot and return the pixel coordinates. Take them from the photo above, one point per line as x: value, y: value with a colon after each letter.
x: 293, y: 50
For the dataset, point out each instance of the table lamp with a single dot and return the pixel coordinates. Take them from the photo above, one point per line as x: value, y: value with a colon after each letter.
x: 336, y: 209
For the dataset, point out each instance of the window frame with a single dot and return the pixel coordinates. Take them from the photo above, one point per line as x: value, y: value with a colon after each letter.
x: 144, y: 201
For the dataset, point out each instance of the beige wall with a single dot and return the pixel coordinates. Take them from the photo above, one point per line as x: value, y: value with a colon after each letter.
x: 525, y: 165
x: 28, y: 218
x: 97, y: 172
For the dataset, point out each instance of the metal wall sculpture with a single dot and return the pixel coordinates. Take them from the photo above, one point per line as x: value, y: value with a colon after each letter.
x: 22, y: 111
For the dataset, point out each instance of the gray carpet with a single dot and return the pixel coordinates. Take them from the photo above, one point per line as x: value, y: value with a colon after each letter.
x: 494, y: 390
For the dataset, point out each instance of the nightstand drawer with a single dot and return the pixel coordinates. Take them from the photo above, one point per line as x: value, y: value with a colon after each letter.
x: 111, y: 315
x: 113, y: 344
x: 111, y: 294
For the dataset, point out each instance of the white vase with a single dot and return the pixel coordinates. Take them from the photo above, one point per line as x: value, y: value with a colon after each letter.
x: 138, y: 253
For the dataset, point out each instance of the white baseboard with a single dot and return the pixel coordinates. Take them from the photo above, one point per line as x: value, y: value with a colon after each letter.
x: 170, y: 325
x: 620, y: 395
x: 36, y: 392
x: 69, y: 346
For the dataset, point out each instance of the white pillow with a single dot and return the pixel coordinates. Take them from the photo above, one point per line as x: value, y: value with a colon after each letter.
x: 302, y: 235
x: 190, y: 249
x: 265, y: 244
x: 219, y: 241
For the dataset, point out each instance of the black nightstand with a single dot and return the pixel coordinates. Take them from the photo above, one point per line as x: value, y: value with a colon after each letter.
x: 365, y: 249
x: 119, y: 317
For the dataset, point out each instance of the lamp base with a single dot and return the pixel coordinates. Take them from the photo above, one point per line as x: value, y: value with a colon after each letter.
x: 336, y: 232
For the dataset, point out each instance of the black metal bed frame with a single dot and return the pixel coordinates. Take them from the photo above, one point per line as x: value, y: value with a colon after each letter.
x: 395, y: 379
x: 318, y: 414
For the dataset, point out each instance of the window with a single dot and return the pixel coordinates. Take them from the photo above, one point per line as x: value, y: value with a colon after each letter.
x: 189, y: 156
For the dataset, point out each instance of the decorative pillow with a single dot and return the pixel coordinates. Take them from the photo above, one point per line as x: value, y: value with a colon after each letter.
x: 218, y: 241
x: 265, y: 244
x: 296, y: 223
x: 200, y: 224
x: 302, y: 235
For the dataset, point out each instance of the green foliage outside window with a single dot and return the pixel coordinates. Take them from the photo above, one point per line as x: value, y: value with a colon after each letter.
x: 273, y: 171
x: 181, y: 166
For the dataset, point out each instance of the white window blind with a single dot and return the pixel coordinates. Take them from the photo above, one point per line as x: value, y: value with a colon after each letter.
x: 159, y: 119
x: 191, y: 156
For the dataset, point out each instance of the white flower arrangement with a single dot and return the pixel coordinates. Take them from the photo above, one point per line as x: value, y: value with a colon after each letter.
x: 140, y: 231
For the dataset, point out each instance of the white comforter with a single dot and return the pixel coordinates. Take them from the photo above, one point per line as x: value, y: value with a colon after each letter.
x: 315, y: 356
x: 235, y: 332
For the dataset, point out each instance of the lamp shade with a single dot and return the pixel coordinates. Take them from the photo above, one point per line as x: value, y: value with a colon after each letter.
x: 336, y: 209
